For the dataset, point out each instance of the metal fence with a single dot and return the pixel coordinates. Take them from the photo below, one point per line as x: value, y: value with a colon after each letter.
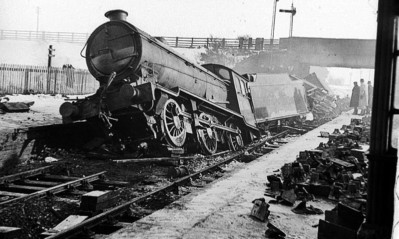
x: 70, y: 37
x: 18, y: 79
x: 259, y: 44
x: 178, y: 42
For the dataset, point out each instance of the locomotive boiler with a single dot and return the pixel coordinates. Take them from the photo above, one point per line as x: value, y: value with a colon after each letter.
x: 149, y: 92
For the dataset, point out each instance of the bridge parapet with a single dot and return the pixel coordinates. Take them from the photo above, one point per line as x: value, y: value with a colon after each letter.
x: 257, y: 44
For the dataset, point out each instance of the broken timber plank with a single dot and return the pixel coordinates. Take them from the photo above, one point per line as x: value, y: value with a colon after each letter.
x: 12, y: 194
x: 69, y: 222
x: 10, y: 232
x: 40, y: 183
x: 23, y: 175
x: 23, y: 188
x: 59, y: 177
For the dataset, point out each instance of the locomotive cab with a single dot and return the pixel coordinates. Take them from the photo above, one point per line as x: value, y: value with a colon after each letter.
x: 238, y: 94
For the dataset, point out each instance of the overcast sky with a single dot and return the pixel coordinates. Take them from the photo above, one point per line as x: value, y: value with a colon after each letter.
x: 199, y: 18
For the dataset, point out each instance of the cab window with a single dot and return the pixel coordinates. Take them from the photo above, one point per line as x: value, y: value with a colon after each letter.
x: 241, y: 88
x: 224, y: 73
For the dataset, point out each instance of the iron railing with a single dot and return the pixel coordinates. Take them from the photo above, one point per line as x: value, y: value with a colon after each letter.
x: 178, y: 42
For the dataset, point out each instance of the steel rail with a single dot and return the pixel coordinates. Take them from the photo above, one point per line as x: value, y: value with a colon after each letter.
x: 56, y: 189
x: 112, y: 213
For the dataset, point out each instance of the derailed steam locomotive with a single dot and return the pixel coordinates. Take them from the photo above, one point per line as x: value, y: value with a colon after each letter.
x: 148, y: 91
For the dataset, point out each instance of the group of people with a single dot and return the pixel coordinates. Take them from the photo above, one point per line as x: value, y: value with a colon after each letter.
x: 362, y: 98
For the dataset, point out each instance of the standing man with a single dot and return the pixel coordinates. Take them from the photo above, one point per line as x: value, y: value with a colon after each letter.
x: 355, y: 97
x: 362, y: 97
x: 370, y: 95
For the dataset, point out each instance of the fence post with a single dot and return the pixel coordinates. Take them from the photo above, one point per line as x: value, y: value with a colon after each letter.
x: 55, y: 80
x: 259, y: 44
x: 240, y: 42
x: 192, y: 42
x: 223, y: 43
x: 177, y: 42
x: 48, y: 80
x: 207, y: 42
x: 26, y: 90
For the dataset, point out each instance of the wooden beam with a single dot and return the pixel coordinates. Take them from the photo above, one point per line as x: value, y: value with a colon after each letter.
x: 10, y: 232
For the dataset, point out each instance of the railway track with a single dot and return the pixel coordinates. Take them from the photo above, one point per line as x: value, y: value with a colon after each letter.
x: 38, y: 182
x: 110, y: 216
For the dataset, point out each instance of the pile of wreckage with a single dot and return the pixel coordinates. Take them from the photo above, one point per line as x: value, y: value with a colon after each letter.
x: 337, y: 171
x: 325, y: 107
x: 322, y: 103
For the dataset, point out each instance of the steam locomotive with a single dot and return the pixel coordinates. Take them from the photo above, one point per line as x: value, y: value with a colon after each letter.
x: 148, y: 91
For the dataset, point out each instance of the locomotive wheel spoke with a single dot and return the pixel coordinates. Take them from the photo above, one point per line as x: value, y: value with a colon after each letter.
x: 208, y: 142
x: 174, y: 126
x: 234, y: 141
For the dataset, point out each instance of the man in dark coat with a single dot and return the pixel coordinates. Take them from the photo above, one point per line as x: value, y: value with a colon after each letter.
x: 370, y: 98
x: 355, y: 97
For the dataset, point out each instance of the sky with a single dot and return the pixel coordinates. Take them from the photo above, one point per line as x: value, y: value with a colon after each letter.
x: 198, y: 18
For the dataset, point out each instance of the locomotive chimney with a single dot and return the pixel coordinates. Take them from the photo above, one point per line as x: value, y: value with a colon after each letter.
x: 116, y: 15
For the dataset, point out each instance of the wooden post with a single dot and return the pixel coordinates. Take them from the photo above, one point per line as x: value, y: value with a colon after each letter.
x: 26, y: 90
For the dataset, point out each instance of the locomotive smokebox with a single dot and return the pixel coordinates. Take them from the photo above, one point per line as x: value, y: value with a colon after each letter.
x: 116, y: 15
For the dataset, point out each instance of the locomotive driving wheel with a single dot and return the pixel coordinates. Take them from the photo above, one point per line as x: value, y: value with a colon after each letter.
x: 174, y: 126
x: 207, y: 138
x: 234, y: 140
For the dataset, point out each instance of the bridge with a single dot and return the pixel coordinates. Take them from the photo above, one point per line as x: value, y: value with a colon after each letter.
x: 297, y: 54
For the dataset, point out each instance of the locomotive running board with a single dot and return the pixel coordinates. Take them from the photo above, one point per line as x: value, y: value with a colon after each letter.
x: 228, y: 111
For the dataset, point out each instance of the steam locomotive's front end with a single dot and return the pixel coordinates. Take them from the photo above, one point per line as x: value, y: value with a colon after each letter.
x: 113, y: 55
x: 115, y: 46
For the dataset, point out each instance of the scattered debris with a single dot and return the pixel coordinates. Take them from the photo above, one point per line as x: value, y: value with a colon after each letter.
x: 273, y: 232
x: 178, y: 171
x: 260, y: 210
x: 50, y: 159
x: 341, y: 222
x: 301, y: 208
x: 15, y: 106
x: 336, y: 170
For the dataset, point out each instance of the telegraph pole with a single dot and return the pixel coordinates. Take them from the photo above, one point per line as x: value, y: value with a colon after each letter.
x: 37, y: 18
x: 293, y: 12
x: 273, y: 22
